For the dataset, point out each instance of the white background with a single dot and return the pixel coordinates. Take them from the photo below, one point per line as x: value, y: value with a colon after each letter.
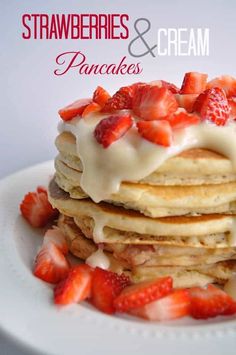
x: 31, y: 94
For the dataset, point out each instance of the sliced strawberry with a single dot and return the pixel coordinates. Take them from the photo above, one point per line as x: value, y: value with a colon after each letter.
x: 54, y: 235
x: 121, y: 100
x: 101, y: 96
x: 232, y: 105
x: 76, y: 287
x: 36, y: 208
x: 152, y: 102
x: 212, y: 105
x: 74, y: 109
x: 170, y: 87
x: 41, y: 189
x: 194, y: 83
x: 158, y: 132
x: 106, y: 286
x: 182, y: 119
x: 111, y: 128
x: 186, y: 101
x: 209, y: 302
x: 225, y: 82
x: 140, y: 294
x: 50, y: 264
x: 91, y: 108
x: 175, y: 305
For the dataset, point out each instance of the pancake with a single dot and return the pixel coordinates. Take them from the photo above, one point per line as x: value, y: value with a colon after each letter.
x: 183, y: 276
x: 133, y: 227
x: 158, y: 201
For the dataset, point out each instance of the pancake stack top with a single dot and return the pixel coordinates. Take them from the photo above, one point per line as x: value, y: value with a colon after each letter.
x: 145, y: 180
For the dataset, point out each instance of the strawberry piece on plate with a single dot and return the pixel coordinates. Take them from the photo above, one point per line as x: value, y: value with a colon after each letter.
x: 152, y: 102
x: 76, y: 287
x: 209, y: 302
x: 50, y: 264
x: 186, y: 101
x: 101, y: 96
x: 170, y: 87
x: 175, y: 305
x: 91, y: 108
x: 121, y: 100
x: 74, y: 109
x: 193, y: 83
x: 111, y: 128
x: 36, y: 208
x: 182, y: 119
x: 158, y: 132
x: 213, y: 105
x: 54, y: 235
x: 106, y: 286
x: 225, y: 82
x: 142, y: 293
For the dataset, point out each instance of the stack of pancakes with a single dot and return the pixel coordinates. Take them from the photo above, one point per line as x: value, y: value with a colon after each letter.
x: 178, y: 221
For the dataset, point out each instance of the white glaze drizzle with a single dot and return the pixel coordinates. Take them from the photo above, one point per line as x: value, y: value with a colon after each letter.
x: 98, y: 259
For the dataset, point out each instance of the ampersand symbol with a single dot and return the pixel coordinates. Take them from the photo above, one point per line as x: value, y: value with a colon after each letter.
x: 140, y: 35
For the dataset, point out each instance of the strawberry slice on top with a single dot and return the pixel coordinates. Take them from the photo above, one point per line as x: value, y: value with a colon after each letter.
x: 186, y: 101
x: 106, y: 286
x: 112, y: 128
x: 74, y: 109
x: 101, y: 96
x: 226, y: 83
x: 36, y: 208
x: 91, y: 108
x: 151, y: 102
x: 212, y: 105
x: 122, y: 99
x: 193, y: 83
x: 158, y: 132
x: 181, y: 119
x: 172, y: 87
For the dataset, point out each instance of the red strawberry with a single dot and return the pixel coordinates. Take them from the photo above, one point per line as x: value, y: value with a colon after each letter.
x: 54, y: 235
x: 106, y: 286
x: 76, y: 287
x: 175, y: 305
x: 121, y: 100
x: 209, y: 302
x: 74, y: 109
x: 212, y: 105
x: 225, y: 82
x: 50, y: 264
x: 158, y: 132
x: 140, y: 294
x: 111, y: 128
x: 170, y: 87
x: 36, y: 209
x: 101, y: 96
x: 193, y: 83
x: 152, y: 102
x: 232, y: 105
x: 186, y: 101
x: 182, y: 119
x: 91, y: 108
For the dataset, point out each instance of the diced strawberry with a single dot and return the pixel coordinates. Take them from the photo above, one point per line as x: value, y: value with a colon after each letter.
x: 36, y: 208
x: 91, y: 108
x: 194, y: 83
x: 158, y: 132
x: 101, y: 96
x: 212, y: 105
x: 232, y: 105
x: 209, y: 302
x: 140, y: 294
x: 76, y: 287
x: 41, y: 189
x: 121, y: 100
x: 54, y: 235
x: 152, y: 102
x: 230, y: 310
x: 50, y: 264
x: 74, y: 109
x: 225, y: 82
x: 111, y: 128
x: 106, y: 286
x: 182, y: 119
x: 175, y: 305
x: 170, y: 87
x: 186, y: 101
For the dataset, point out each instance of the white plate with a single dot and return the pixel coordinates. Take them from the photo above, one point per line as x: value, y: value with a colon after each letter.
x: 29, y: 318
